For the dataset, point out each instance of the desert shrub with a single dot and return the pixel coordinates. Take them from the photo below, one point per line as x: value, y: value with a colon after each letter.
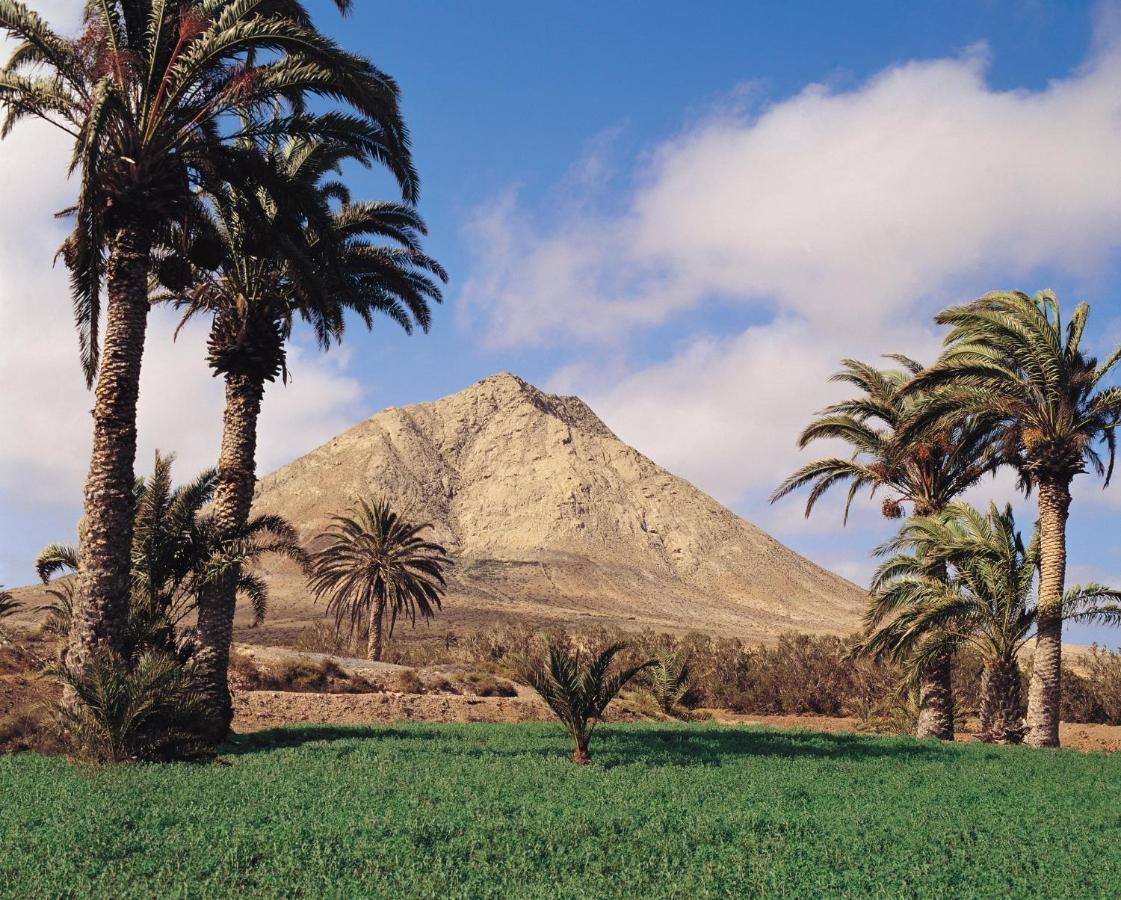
x: 408, y: 682
x: 1103, y: 672
x: 29, y: 728
x: 1080, y: 702
x: 144, y: 709
x: 439, y: 684
x: 324, y: 637
x: 245, y: 674
x: 305, y: 676
x: 482, y: 684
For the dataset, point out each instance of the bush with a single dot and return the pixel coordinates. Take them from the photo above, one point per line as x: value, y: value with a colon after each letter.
x: 481, y: 684
x: 408, y: 682
x: 29, y: 728
x: 148, y: 709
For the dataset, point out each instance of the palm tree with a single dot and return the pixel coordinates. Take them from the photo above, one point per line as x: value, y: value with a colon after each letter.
x: 926, y: 472
x: 1011, y: 365
x: 157, y: 97
x: 667, y: 680
x: 576, y: 691
x: 985, y: 601
x: 288, y: 253
x: 8, y: 603
x: 178, y: 553
x: 373, y: 563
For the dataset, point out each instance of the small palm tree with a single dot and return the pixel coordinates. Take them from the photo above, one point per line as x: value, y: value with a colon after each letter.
x: 577, y: 692
x: 981, y: 597
x: 1012, y: 365
x: 667, y: 680
x: 8, y: 603
x: 373, y: 564
x: 177, y: 554
x: 926, y: 471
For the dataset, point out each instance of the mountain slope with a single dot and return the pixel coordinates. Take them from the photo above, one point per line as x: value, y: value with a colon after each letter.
x: 552, y: 518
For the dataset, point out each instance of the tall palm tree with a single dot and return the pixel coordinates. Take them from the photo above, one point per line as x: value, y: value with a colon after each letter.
x: 926, y: 472
x: 157, y: 96
x: 178, y: 554
x: 964, y: 578
x: 289, y: 253
x: 372, y: 563
x: 1011, y: 365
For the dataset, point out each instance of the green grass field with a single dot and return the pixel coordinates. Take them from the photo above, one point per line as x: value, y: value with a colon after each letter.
x: 487, y: 810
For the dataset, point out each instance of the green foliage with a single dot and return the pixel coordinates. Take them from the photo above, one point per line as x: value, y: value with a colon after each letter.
x: 667, y: 680
x: 287, y: 252
x: 131, y: 709
x: 162, y: 102
x: 177, y: 554
x: 1012, y: 365
x: 964, y: 578
x: 577, y: 691
x: 372, y: 561
x: 927, y: 470
x: 8, y: 604
x: 486, y: 810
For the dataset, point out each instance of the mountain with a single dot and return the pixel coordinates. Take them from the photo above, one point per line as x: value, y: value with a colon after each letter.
x: 551, y: 518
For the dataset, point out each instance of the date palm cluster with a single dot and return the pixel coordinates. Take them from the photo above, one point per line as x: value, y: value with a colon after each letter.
x: 1014, y: 387
x: 209, y: 141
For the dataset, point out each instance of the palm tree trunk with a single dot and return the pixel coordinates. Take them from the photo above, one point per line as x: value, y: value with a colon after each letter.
x: 377, y: 625
x: 1045, y: 693
x: 105, y: 534
x: 1001, y: 702
x: 936, y: 694
x: 936, y: 701
x: 237, y: 476
x: 580, y: 755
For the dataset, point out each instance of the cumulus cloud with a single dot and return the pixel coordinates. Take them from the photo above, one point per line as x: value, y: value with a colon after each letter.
x: 838, y: 219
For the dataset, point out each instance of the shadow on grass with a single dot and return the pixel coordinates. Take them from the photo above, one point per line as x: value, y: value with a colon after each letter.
x: 611, y: 745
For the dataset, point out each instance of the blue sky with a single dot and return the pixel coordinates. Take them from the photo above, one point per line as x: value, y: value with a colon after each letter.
x: 684, y: 213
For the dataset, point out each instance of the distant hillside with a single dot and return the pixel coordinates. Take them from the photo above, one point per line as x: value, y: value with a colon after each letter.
x: 552, y: 518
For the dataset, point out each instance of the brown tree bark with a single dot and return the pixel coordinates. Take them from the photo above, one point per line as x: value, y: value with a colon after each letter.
x: 377, y: 626
x: 237, y: 476
x: 1045, y: 693
x: 936, y: 701
x: 1001, y: 702
x: 580, y: 755
x: 105, y: 533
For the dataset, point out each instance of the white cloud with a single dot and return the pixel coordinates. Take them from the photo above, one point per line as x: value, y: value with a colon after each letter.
x: 841, y: 218
x: 829, y: 205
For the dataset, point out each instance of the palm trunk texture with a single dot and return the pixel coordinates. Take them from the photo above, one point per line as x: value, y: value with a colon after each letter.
x: 1001, y: 702
x: 936, y: 697
x: 105, y: 534
x: 1045, y: 693
x: 377, y: 627
x: 237, y: 475
x: 936, y: 701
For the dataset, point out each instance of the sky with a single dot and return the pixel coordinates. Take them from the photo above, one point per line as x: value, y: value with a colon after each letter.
x: 687, y: 214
